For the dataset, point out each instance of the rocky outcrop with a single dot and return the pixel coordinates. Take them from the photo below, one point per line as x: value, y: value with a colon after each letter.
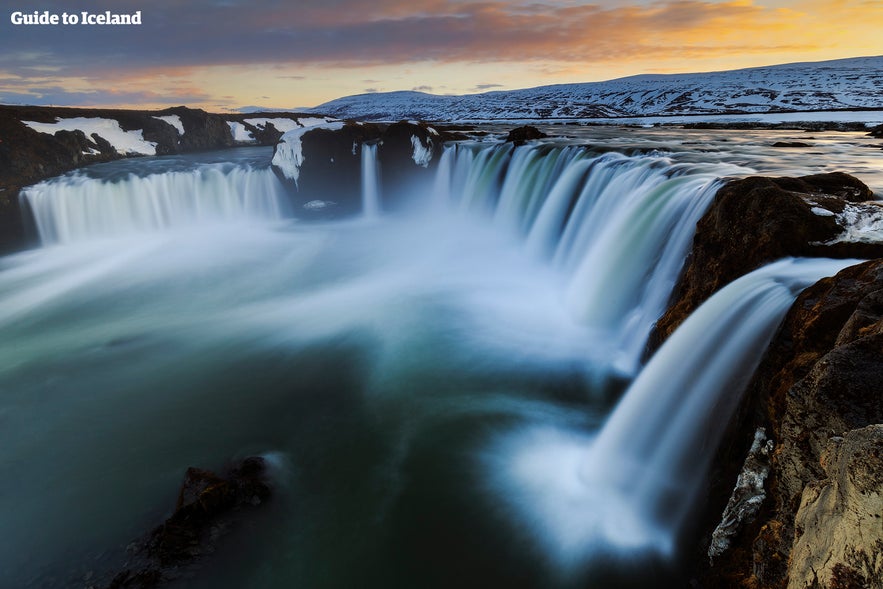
x: 324, y: 165
x: 816, y: 520
x: 757, y: 220
x: 28, y: 155
x: 521, y: 135
x: 838, y: 527
x: 817, y: 392
x: 208, y: 506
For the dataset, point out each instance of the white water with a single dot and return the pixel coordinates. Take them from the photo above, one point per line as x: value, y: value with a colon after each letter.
x: 370, y: 181
x: 80, y: 208
x: 632, y: 486
x: 617, y: 227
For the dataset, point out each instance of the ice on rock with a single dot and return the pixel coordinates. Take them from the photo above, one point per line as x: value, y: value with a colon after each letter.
x: 289, y: 154
x: 422, y: 153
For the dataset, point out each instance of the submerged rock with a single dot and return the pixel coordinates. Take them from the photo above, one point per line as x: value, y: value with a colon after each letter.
x: 208, y: 505
x: 791, y: 144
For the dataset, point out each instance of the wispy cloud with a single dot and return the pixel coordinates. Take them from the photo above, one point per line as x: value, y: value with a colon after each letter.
x: 181, y: 38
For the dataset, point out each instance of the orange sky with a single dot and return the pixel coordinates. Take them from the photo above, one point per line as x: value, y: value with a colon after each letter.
x: 226, y: 54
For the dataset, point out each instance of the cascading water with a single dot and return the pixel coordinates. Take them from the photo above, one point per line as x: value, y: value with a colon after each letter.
x: 79, y: 208
x: 400, y: 365
x: 631, y: 487
x: 370, y: 181
x: 617, y: 227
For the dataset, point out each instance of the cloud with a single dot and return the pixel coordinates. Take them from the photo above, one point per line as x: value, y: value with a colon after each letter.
x: 180, y: 38
x: 422, y: 89
x: 61, y: 96
x: 198, y: 33
x: 370, y: 90
x: 481, y: 87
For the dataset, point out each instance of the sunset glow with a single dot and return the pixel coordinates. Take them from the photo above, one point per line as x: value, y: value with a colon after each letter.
x: 227, y: 54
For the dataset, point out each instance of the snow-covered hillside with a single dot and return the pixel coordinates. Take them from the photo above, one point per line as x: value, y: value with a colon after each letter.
x: 855, y: 83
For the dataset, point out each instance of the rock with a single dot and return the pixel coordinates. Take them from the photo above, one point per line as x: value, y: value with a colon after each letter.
x: 202, y: 131
x: 331, y: 163
x: 208, y: 506
x: 757, y: 220
x: 839, y: 531
x: 816, y: 388
x: 791, y: 144
x: 521, y: 135
x: 876, y: 131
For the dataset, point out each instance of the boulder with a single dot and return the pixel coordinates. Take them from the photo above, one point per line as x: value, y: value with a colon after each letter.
x: 521, y: 135
x: 757, y: 220
x: 838, y: 529
x: 208, y: 505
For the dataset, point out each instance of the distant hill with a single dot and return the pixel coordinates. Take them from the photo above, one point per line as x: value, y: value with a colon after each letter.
x: 843, y: 84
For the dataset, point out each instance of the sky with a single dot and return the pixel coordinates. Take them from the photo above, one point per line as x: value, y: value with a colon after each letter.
x: 223, y: 55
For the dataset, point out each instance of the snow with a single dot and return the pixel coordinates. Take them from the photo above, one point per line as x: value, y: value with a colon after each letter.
x: 422, y: 153
x: 173, y: 120
x: 285, y: 124
x: 839, y: 85
x: 240, y: 133
x: 280, y: 123
x: 125, y: 142
x: 289, y: 154
x: 821, y: 212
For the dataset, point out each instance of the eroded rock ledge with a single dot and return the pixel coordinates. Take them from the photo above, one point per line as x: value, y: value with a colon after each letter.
x: 817, y: 392
x: 757, y: 220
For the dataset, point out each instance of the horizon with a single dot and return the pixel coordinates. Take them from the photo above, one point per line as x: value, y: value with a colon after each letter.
x: 227, y: 55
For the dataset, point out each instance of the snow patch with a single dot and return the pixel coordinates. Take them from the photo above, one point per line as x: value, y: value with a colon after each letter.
x: 289, y: 154
x: 124, y: 142
x: 240, y: 133
x: 173, y: 120
x: 821, y: 212
x: 281, y: 124
x: 422, y: 153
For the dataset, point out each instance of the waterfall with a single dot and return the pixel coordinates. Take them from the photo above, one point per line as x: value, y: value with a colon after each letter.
x: 618, y: 227
x: 657, y: 443
x: 77, y: 207
x: 634, y: 484
x: 370, y: 181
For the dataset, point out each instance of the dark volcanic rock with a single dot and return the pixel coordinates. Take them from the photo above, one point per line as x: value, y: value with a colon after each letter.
x: 521, y: 135
x: 331, y: 168
x: 757, y: 220
x: 208, y: 505
x: 791, y: 144
x: 876, y: 131
x: 818, y: 393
